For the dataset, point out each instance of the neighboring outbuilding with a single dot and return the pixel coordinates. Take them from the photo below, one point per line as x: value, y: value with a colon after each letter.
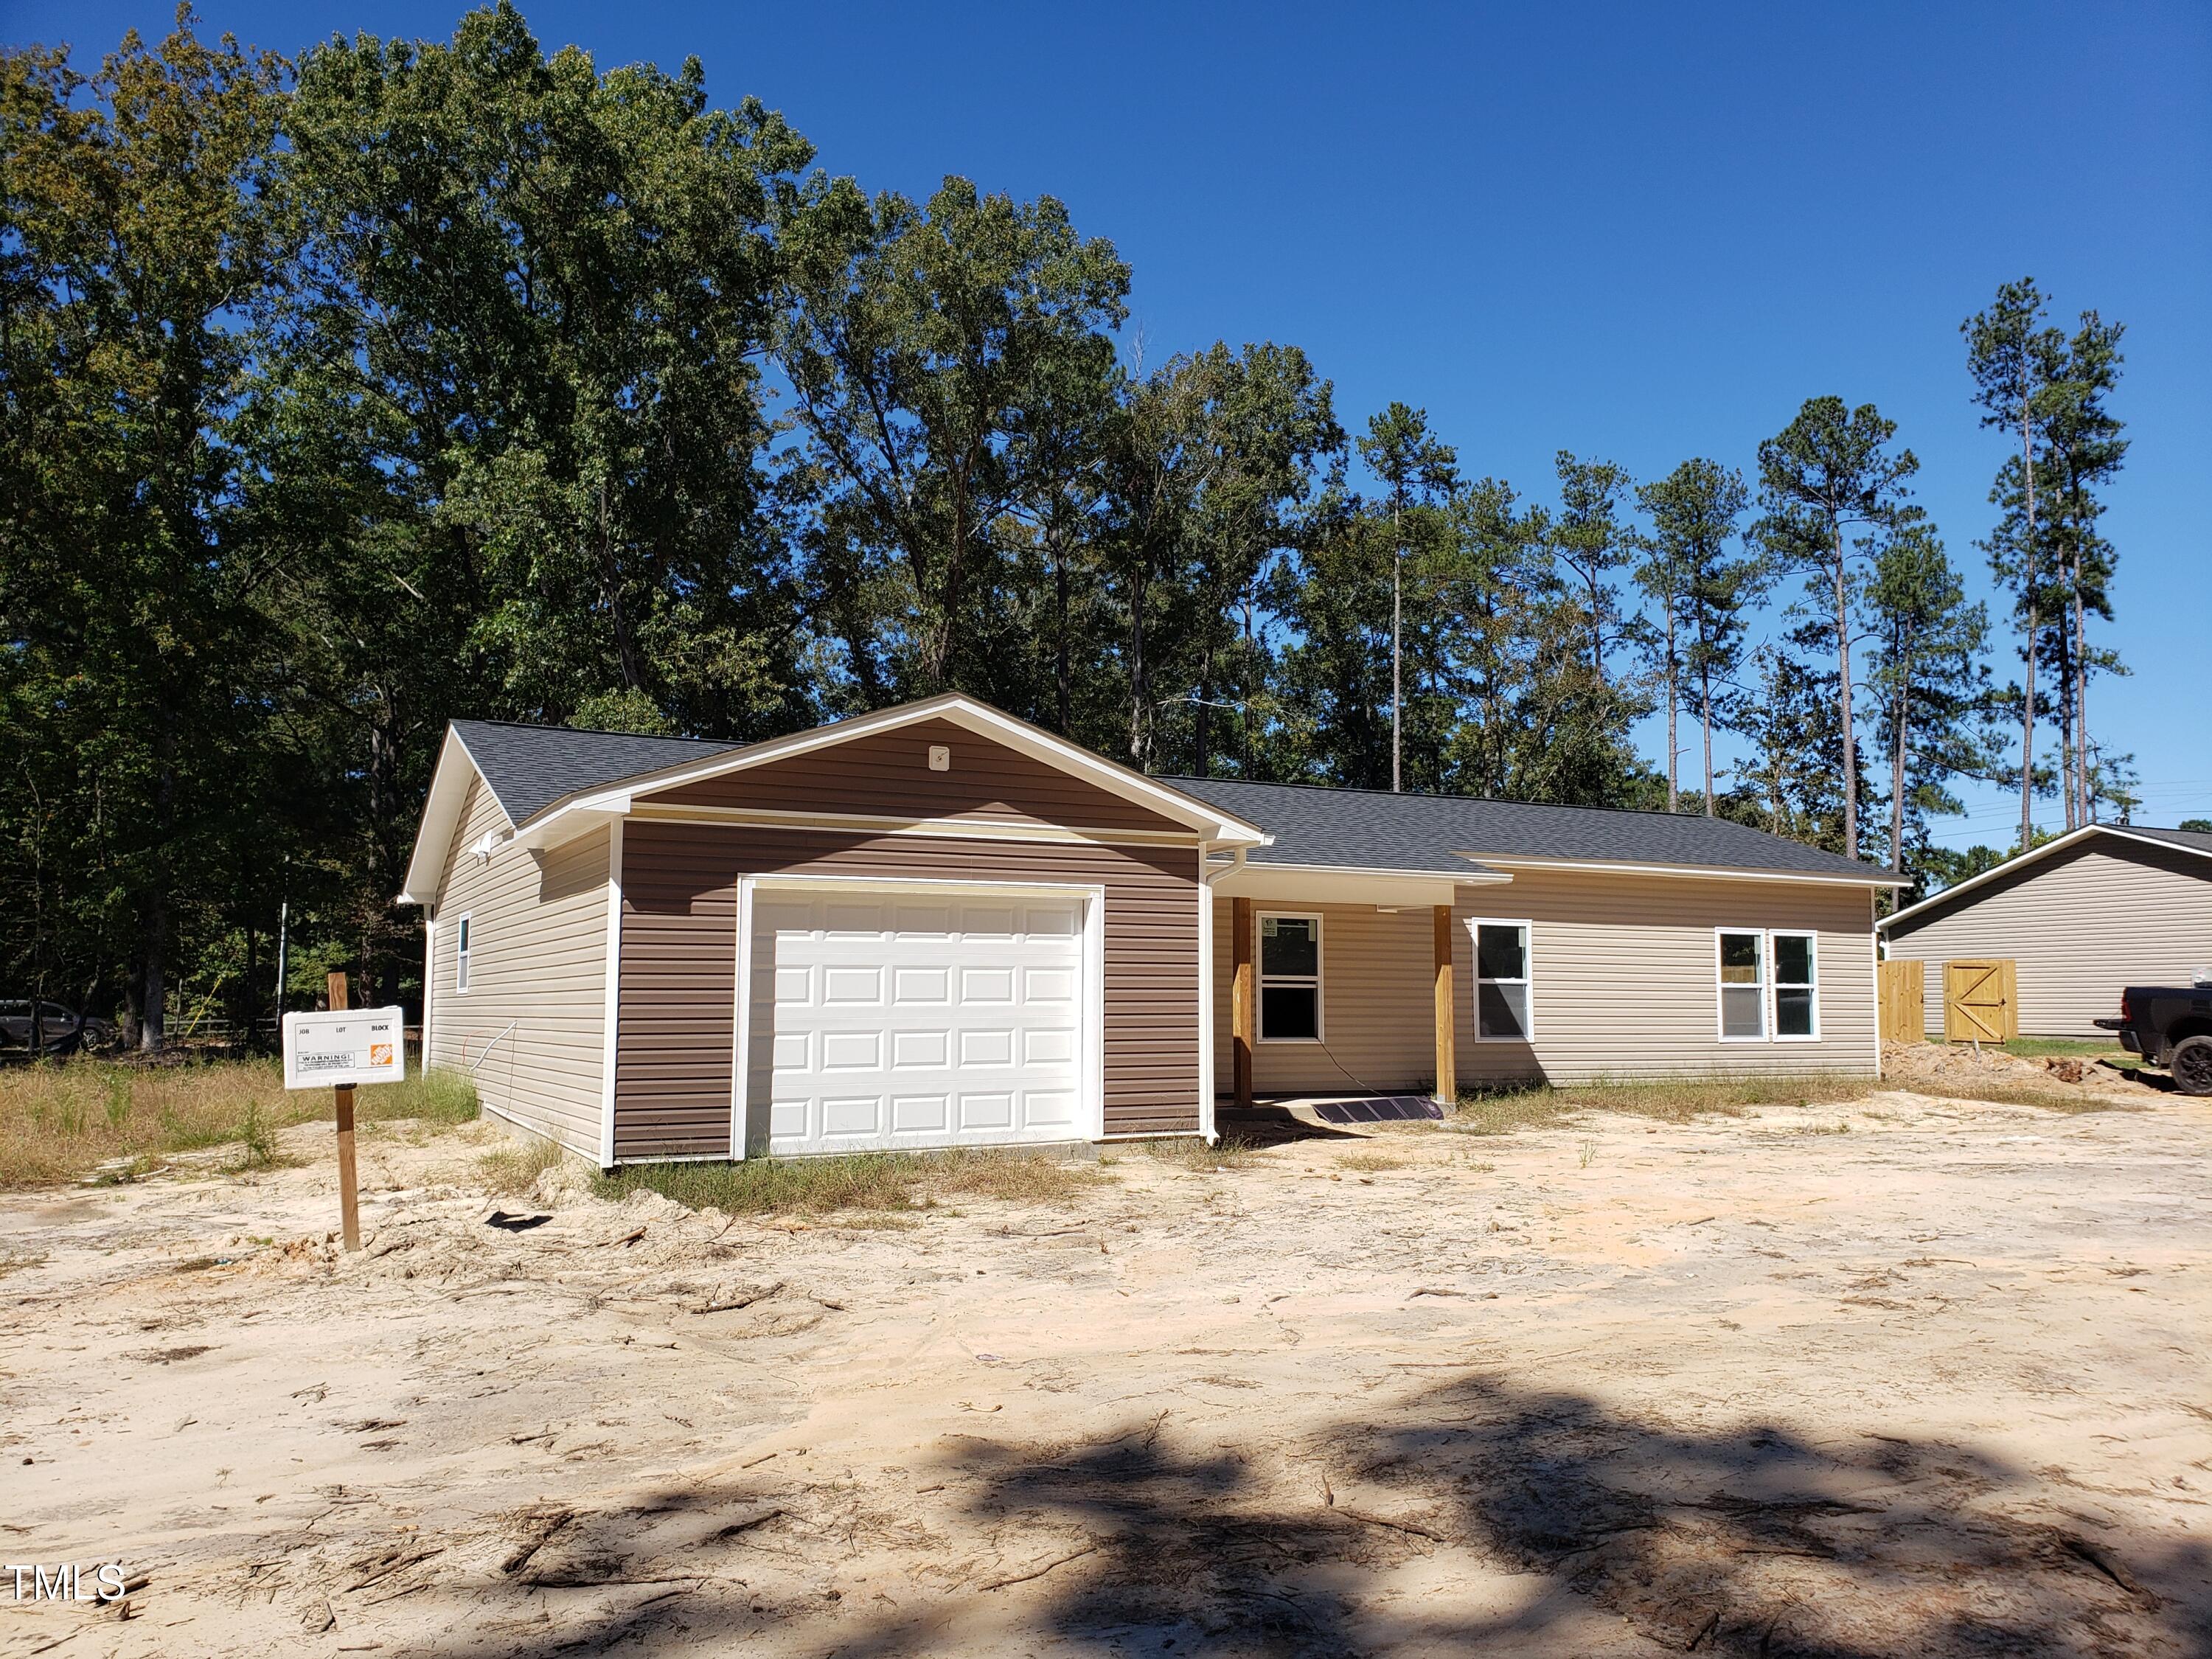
x: 2080, y: 918
x: 939, y: 926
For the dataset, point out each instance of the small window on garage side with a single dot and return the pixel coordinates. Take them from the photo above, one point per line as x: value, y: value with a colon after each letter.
x: 1290, y: 979
x: 461, y: 930
x: 1742, y: 985
x: 1501, y: 982
x: 1796, y: 988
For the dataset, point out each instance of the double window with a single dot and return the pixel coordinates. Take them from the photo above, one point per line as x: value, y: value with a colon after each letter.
x: 1502, y: 1011
x: 461, y: 954
x: 1290, y: 979
x: 1768, y: 985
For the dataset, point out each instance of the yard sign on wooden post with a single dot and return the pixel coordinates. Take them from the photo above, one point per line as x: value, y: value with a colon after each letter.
x: 342, y: 1048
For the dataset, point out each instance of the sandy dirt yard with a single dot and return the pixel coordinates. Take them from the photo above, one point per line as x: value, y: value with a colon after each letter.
x: 1904, y: 1376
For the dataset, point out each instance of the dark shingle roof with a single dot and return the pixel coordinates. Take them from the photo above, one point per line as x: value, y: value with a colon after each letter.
x: 531, y: 767
x: 2195, y: 840
x: 1373, y: 829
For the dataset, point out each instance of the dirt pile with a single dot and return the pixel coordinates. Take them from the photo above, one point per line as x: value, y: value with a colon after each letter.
x: 1931, y: 1067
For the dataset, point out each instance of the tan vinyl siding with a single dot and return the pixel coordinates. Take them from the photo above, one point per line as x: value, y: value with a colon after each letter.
x: 676, y: 1027
x: 888, y: 774
x: 2082, y: 925
x: 1622, y: 984
x: 537, y: 961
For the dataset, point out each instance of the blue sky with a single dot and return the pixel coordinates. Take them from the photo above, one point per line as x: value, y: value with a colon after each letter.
x: 1637, y: 232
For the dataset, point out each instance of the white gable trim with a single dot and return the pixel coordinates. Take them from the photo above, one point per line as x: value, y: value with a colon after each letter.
x: 586, y: 809
x: 442, y: 819
x: 2071, y: 838
x: 1693, y: 871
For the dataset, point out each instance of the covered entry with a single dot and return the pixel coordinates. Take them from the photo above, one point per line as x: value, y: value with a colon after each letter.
x: 923, y: 1014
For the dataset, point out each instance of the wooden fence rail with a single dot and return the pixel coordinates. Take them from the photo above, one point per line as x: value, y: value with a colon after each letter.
x: 1903, y: 998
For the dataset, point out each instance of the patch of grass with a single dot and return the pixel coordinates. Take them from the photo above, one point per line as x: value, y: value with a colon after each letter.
x: 1677, y: 1100
x: 511, y: 1171
x: 443, y: 1098
x: 60, y: 1121
x: 2015, y: 1094
x: 1370, y: 1163
x: 1230, y: 1152
x: 881, y: 1182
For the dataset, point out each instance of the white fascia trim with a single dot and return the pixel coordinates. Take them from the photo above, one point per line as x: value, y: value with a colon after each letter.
x: 614, y: 996
x: 442, y: 817
x: 2068, y: 839
x: 962, y: 711
x: 1703, y: 873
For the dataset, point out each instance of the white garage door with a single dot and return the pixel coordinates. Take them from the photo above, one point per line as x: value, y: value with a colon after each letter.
x: 898, y: 1019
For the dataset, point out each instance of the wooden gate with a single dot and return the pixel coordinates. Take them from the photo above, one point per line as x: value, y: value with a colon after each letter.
x: 1904, y: 1000
x: 1979, y: 1001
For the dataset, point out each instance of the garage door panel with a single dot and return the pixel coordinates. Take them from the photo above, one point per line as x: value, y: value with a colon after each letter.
x: 888, y: 1021
x: 922, y: 987
x: 913, y: 1115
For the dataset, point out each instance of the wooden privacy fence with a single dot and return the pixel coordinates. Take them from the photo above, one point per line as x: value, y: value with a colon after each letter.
x: 1980, y: 1001
x: 1902, y: 988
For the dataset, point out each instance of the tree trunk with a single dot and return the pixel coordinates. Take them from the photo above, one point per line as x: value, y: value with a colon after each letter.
x: 1674, y: 741
x: 1397, y: 562
x: 1706, y: 727
x: 1843, y: 702
x: 1140, y: 689
x: 1062, y: 691
x: 1897, y: 768
x: 2081, y: 695
x: 2027, y: 704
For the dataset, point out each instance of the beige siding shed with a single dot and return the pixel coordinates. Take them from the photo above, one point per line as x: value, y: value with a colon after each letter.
x: 2080, y: 923
x: 531, y: 1029
x: 1623, y: 983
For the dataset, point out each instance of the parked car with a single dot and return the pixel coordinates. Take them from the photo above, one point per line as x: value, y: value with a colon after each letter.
x: 54, y: 1032
x: 2169, y: 1025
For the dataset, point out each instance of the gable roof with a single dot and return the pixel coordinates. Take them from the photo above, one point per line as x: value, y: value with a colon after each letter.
x: 528, y: 768
x: 1367, y: 829
x: 552, y: 781
x: 2188, y: 841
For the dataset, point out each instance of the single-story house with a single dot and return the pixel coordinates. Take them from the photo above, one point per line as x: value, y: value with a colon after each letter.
x: 2080, y: 917
x: 938, y: 924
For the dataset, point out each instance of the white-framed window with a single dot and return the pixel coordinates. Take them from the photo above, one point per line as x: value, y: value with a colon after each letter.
x: 1740, y: 957
x: 1505, y: 1010
x: 461, y: 932
x: 1290, y: 979
x: 1769, y: 984
x: 1796, y: 987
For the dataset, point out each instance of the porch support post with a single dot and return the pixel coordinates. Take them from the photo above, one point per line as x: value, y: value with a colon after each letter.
x: 1241, y: 1023
x: 1446, y: 1024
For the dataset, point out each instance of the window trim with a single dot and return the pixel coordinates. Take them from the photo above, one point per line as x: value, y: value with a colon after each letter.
x: 1775, y: 985
x: 1261, y: 976
x: 1527, y: 981
x: 1765, y: 988
x: 463, y: 948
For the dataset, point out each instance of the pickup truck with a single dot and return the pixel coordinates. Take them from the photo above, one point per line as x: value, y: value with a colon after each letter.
x: 2169, y: 1025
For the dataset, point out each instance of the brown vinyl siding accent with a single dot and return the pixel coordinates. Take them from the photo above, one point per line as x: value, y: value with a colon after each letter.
x: 888, y: 774
x: 2081, y: 926
x: 1622, y: 984
x: 538, y: 961
x: 678, y: 1023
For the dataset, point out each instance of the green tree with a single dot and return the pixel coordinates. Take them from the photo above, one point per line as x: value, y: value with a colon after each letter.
x: 511, y: 420
x: 135, y: 238
x: 2082, y: 439
x: 2009, y: 352
x: 1829, y: 471
x: 1705, y: 593
x: 1928, y: 673
x: 913, y: 338
x: 1589, y: 538
x: 1416, y: 468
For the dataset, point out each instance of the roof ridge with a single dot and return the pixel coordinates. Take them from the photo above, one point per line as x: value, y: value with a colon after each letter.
x: 601, y: 732
x: 1486, y: 800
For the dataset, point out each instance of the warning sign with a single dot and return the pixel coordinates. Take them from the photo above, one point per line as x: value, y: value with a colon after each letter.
x: 344, y: 1045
